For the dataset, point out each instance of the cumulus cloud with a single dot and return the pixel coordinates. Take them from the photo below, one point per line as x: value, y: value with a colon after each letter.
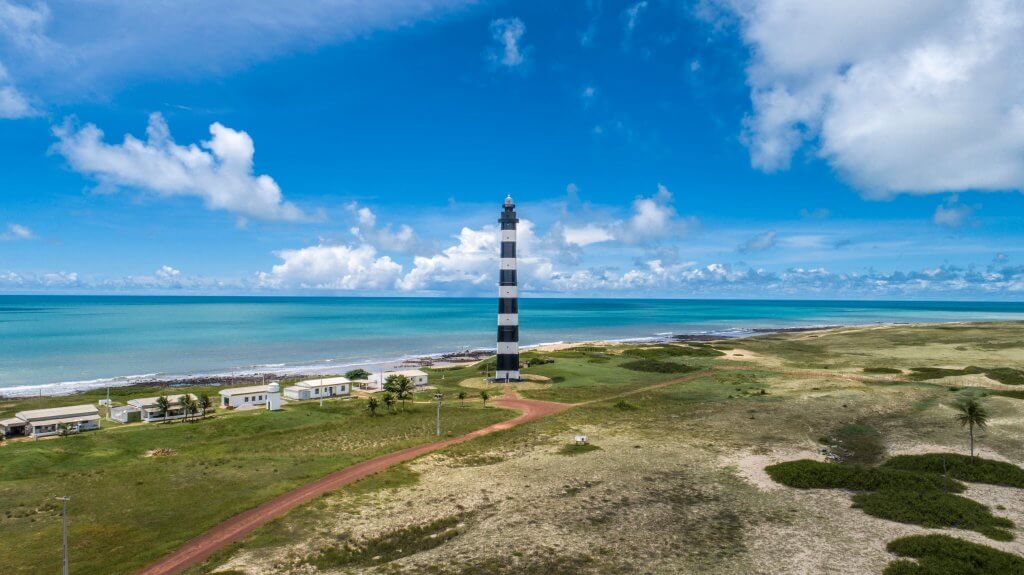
x: 167, y: 272
x: 472, y: 261
x: 335, y: 267
x: 653, y: 218
x: 219, y: 171
x: 17, y: 232
x: 400, y: 239
x: 586, y: 235
x: 758, y: 243
x: 900, y: 96
x: 508, y: 32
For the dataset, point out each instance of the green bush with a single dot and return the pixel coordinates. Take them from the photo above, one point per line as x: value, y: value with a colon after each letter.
x: 1006, y: 375
x: 388, y: 546
x: 578, y: 448
x: 652, y: 366
x: 663, y: 351
x: 933, y: 508
x: 810, y: 474
x: 960, y: 467
x: 923, y: 373
x: 944, y: 555
x: 357, y: 374
x: 886, y: 370
x: 625, y: 405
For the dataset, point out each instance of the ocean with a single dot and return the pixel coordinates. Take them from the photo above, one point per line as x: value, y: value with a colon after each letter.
x: 58, y: 344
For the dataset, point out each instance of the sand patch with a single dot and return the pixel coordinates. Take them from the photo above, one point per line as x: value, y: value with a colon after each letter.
x: 162, y: 452
x: 750, y: 466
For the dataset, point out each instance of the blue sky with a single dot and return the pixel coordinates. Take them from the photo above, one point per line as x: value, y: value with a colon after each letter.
x: 705, y: 148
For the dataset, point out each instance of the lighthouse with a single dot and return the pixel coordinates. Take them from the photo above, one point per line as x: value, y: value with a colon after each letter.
x: 508, y: 298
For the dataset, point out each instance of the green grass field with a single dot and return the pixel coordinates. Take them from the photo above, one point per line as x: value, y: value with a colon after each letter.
x: 128, y: 508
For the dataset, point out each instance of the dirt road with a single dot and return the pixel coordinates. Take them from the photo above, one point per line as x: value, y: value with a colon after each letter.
x: 199, y: 549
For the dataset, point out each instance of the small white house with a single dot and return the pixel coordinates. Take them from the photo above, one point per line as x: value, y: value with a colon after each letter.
x: 417, y: 377
x: 319, y: 388
x: 236, y: 397
x: 42, y: 422
x: 150, y: 411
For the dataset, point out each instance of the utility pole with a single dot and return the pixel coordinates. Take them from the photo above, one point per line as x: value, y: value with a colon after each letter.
x: 65, y: 500
x: 438, y: 397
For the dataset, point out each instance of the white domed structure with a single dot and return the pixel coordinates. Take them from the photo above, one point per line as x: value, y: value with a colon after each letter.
x: 273, y: 396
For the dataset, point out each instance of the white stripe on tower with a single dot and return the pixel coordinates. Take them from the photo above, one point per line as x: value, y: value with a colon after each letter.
x: 508, y: 298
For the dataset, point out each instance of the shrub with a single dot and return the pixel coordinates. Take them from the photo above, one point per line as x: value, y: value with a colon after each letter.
x: 357, y: 374
x: 810, y: 474
x: 944, y: 555
x: 662, y: 351
x: 652, y: 366
x: 1006, y: 375
x: 923, y: 373
x: 932, y: 508
x: 886, y: 370
x: 960, y: 467
x: 388, y: 546
x: 625, y: 405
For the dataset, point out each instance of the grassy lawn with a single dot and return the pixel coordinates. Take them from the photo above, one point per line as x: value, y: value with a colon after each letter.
x: 128, y: 509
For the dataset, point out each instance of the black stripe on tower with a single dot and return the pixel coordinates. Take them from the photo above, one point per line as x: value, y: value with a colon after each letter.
x: 508, y: 333
x: 507, y: 278
x: 508, y: 362
x: 508, y: 305
x: 508, y: 249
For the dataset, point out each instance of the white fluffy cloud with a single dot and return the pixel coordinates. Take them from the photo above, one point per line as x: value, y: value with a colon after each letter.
x: 167, y: 272
x: 508, y: 32
x: 17, y: 232
x: 900, y: 96
x: 403, y: 239
x: 586, y: 235
x: 334, y: 267
x: 654, y: 218
x: 219, y: 171
x: 471, y: 262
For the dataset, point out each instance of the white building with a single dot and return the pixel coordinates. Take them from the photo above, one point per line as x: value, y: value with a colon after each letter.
x: 125, y: 414
x: 150, y: 411
x: 249, y: 396
x: 319, y: 388
x: 43, y: 422
x: 417, y: 377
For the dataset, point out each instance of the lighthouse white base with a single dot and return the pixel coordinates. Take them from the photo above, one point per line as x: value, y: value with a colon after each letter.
x: 512, y: 375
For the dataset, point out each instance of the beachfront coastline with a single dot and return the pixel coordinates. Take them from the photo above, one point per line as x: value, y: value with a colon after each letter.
x: 259, y: 373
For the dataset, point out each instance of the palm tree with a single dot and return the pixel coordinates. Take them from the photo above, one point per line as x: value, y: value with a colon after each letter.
x: 485, y: 396
x: 164, y: 405
x: 372, y: 405
x: 462, y: 398
x: 971, y: 414
x: 389, y: 401
x: 204, y: 403
x: 189, y: 405
x: 404, y: 389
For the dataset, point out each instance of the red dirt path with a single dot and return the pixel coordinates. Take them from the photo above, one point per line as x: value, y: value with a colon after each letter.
x: 234, y: 529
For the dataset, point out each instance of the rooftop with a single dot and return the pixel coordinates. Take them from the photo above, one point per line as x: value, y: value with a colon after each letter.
x: 58, y: 412
x: 320, y: 382
x: 150, y: 402
x: 244, y: 390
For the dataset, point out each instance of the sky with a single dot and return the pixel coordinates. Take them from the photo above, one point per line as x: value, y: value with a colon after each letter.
x: 849, y: 149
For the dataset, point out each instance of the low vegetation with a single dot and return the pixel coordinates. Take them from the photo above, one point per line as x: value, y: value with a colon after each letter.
x: 933, y: 508
x: 944, y: 555
x: 654, y: 366
x: 856, y: 443
x: 578, y: 448
x: 386, y: 547
x: 810, y: 474
x: 961, y: 467
x: 883, y: 370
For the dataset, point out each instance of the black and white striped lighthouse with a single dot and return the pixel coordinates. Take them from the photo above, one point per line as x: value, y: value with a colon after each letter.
x: 508, y: 298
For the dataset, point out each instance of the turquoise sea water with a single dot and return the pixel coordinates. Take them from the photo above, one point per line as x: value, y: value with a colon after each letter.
x: 79, y: 341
